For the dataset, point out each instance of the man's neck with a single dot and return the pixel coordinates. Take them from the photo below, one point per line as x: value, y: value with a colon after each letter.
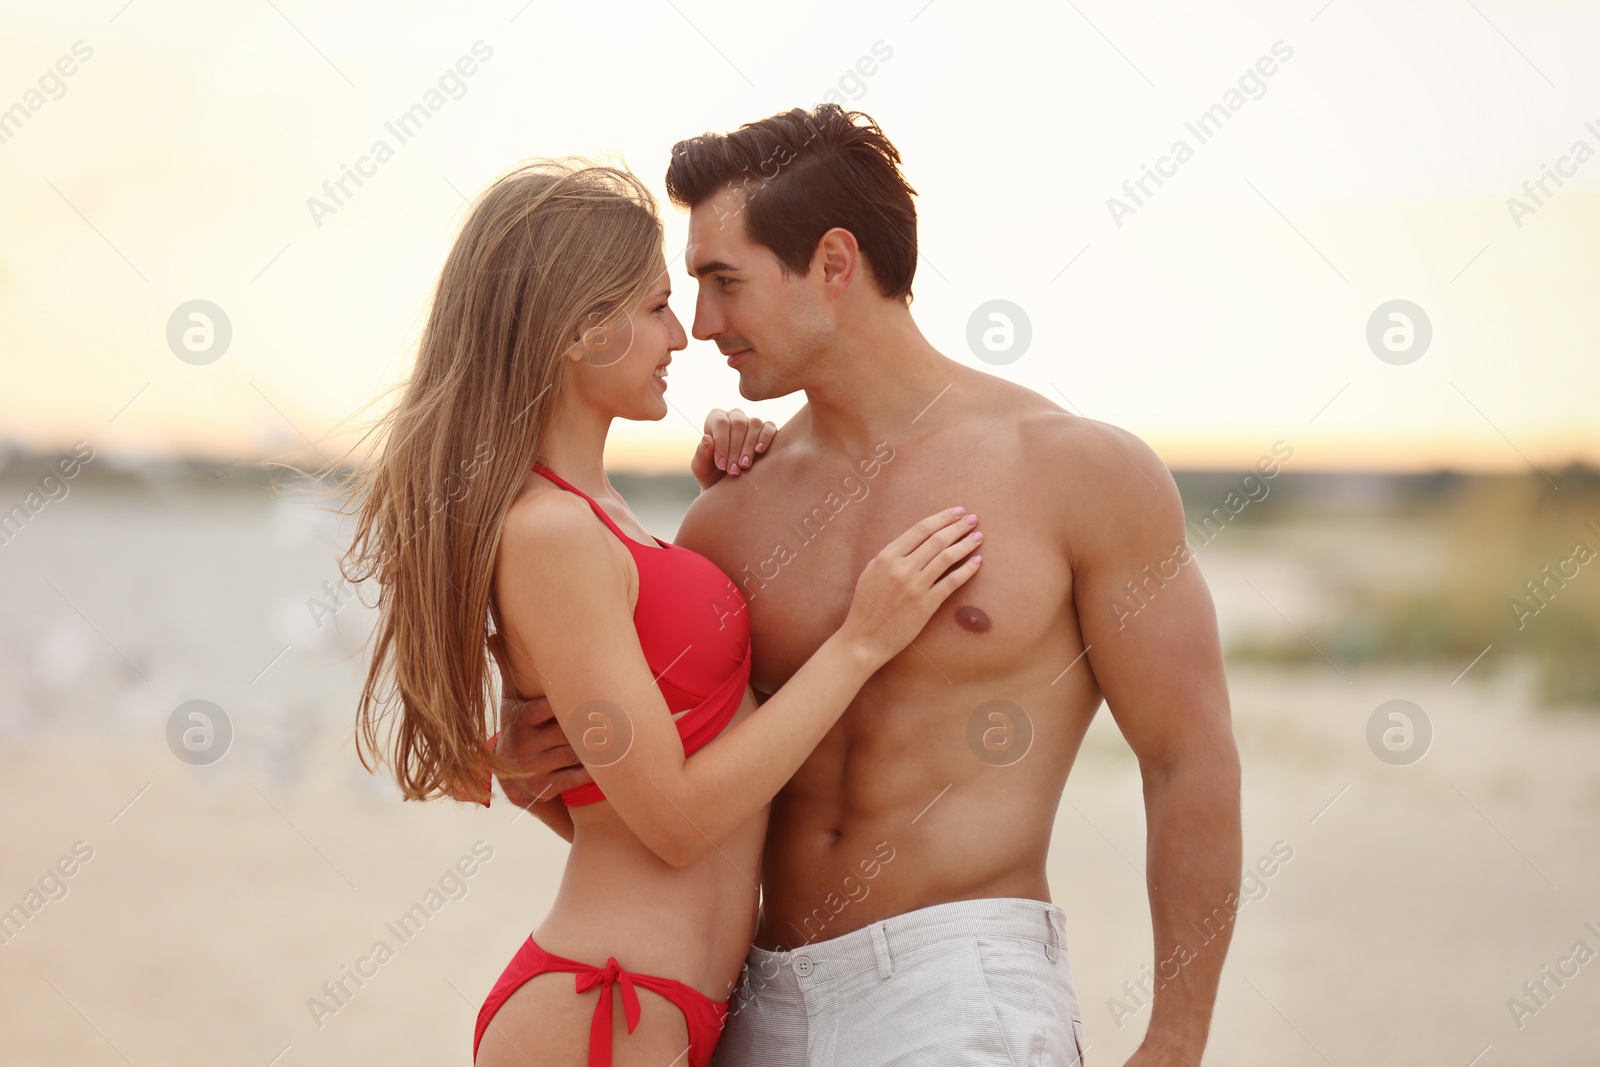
x: 886, y: 384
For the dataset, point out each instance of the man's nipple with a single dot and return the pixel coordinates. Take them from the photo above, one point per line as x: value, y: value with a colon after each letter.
x: 972, y: 618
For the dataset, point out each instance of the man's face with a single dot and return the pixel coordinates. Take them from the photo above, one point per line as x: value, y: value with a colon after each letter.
x: 770, y: 326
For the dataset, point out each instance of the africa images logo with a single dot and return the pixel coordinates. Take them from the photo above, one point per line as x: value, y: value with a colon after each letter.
x: 1206, y: 126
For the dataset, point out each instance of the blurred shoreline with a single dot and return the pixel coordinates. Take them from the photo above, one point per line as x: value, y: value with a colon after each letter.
x: 252, y: 879
x: 1351, y: 568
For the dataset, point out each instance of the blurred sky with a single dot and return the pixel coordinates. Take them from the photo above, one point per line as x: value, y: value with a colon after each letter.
x: 1228, y: 312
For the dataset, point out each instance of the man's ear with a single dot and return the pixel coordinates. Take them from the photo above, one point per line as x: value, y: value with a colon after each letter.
x: 837, y: 257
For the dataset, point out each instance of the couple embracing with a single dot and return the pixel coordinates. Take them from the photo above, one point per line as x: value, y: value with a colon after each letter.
x: 808, y: 756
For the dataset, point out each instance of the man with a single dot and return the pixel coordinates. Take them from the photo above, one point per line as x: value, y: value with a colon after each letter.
x: 905, y: 909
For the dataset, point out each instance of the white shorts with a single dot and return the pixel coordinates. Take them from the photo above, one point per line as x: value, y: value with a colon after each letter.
x: 972, y: 982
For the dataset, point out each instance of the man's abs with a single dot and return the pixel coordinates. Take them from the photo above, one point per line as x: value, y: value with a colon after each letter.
x: 921, y: 798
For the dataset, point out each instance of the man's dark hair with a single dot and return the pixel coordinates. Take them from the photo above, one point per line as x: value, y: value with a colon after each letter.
x: 805, y: 172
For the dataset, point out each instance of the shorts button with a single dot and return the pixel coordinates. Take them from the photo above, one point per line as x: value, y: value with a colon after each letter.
x: 802, y: 966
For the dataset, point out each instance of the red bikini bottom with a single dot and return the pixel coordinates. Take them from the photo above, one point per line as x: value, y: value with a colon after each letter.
x: 704, y: 1016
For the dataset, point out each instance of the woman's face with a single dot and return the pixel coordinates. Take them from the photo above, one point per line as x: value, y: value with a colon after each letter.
x: 624, y: 360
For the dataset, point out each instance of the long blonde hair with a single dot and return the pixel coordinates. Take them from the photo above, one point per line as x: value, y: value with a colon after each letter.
x: 544, y: 250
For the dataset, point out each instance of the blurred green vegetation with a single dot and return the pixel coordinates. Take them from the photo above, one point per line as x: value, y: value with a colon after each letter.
x: 1494, y: 535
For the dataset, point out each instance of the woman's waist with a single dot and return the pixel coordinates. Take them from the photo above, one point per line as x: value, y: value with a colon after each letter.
x: 693, y: 923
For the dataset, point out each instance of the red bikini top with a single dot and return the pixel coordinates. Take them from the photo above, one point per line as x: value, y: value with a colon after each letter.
x: 694, y: 630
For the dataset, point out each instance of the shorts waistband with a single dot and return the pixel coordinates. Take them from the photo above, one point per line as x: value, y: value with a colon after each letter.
x: 878, y: 944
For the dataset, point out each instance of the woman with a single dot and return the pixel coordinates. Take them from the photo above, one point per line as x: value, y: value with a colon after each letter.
x: 550, y: 321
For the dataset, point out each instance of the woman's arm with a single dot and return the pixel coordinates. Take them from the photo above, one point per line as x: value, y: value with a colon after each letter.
x: 564, y: 597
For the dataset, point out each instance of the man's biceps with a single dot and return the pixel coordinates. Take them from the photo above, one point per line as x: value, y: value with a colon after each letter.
x: 1147, y: 732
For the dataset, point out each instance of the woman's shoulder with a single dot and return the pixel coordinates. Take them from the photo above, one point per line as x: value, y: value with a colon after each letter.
x: 553, y: 552
x: 552, y: 528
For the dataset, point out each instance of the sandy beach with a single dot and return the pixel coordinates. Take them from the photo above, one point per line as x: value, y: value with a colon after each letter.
x: 216, y: 901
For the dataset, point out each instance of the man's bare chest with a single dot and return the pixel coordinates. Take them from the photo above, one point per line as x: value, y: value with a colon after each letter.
x: 803, y: 540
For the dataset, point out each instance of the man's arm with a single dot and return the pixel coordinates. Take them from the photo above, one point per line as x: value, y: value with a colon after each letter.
x: 520, y: 746
x: 1148, y: 620
x: 555, y: 816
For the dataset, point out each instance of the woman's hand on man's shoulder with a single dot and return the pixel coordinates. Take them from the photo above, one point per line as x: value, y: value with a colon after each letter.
x: 732, y: 442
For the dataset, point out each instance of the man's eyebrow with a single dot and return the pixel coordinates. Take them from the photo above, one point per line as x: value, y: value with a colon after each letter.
x: 702, y: 269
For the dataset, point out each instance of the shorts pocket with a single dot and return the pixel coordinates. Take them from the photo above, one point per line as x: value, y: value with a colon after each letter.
x: 1077, y: 1039
x: 1034, y: 1001
x: 933, y: 1008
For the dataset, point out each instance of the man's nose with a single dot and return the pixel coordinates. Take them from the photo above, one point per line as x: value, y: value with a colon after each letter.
x: 707, y: 324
